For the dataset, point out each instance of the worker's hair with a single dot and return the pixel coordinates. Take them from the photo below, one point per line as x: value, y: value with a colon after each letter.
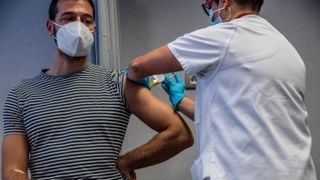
x: 53, y: 9
x: 255, y: 5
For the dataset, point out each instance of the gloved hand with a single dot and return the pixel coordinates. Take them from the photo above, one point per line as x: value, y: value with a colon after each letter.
x: 144, y: 82
x: 175, y: 90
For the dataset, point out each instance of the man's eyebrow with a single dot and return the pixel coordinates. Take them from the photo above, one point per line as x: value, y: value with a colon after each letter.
x: 72, y: 13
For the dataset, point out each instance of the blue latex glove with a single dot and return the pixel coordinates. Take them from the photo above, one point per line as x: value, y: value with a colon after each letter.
x: 144, y: 82
x: 175, y: 90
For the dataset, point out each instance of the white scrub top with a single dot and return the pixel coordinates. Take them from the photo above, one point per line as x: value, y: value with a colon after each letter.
x: 250, y: 114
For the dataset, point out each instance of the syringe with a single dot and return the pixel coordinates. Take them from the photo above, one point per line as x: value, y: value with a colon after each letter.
x: 158, y: 79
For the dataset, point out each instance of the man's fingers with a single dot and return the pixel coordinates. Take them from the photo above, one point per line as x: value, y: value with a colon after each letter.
x: 133, y: 175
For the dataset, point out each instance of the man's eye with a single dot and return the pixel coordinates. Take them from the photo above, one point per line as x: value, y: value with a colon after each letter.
x: 68, y: 19
x: 88, y: 22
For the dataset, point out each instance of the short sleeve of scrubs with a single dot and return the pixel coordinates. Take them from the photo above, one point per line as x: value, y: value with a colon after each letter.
x: 202, y: 50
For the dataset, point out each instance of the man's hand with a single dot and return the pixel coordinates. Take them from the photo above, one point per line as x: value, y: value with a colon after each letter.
x: 130, y: 174
x: 175, y: 90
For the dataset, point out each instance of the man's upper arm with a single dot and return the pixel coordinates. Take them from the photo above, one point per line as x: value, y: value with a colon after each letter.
x: 152, y: 111
x: 15, y: 154
x: 173, y: 134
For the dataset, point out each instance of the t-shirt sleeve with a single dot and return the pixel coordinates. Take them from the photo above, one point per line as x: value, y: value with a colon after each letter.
x: 12, y: 115
x: 202, y: 50
x: 121, y: 83
x: 118, y: 78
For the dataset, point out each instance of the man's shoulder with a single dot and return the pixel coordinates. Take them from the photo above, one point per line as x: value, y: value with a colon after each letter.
x: 26, y: 82
x: 23, y: 86
x: 103, y: 69
x: 108, y: 72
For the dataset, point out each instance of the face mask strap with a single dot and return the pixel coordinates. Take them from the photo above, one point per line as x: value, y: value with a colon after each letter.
x: 218, y: 10
x: 56, y: 24
x: 211, y: 14
x: 55, y: 31
x: 221, y: 8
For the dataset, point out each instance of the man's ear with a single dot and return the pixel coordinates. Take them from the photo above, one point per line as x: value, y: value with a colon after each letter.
x: 50, y: 27
x: 94, y: 27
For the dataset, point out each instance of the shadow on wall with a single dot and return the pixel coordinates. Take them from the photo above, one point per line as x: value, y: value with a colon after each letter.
x: 143, y: 22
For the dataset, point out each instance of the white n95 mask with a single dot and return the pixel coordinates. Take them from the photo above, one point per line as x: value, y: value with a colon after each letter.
x: 74, y: 39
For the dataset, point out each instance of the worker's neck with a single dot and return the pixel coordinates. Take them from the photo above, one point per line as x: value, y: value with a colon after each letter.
x: 239, y: 12
x: 65, y: 65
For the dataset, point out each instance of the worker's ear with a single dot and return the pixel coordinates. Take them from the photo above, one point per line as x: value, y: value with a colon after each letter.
x: 226, y: 10
x: 226, y: 3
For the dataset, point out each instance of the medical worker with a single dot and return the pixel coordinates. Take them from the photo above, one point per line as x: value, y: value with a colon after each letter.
x: 250, y: 114
x: 69, y: 121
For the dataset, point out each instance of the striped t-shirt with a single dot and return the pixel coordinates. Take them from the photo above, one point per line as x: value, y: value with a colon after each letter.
x: 75, y: 124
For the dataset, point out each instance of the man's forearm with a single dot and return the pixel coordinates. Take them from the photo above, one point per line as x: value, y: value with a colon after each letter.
x: 161, y: 148
x: 14, y: 156
x: 14, y: 175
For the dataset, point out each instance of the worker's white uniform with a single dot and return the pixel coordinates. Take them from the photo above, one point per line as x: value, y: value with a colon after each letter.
x: 250, y: 115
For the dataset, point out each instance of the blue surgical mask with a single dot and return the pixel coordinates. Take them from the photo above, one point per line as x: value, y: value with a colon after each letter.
x: 217, y: 20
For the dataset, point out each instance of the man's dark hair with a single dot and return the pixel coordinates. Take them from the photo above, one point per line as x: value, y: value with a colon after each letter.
x: 53, y: 9
x: 255, y: 5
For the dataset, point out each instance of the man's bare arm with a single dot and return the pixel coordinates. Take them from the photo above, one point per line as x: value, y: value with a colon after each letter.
x: 15, y: 154
x: 173, y: 134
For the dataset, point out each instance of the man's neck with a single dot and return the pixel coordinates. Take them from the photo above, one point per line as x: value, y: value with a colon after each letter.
x: 65, y: 65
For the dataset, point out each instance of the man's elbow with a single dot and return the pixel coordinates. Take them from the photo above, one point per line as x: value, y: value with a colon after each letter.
x: 136, y: 71
x: 188, y: 140
x: 184, y: 138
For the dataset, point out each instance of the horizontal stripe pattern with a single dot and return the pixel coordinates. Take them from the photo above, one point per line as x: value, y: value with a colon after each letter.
x: 75, y: 124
